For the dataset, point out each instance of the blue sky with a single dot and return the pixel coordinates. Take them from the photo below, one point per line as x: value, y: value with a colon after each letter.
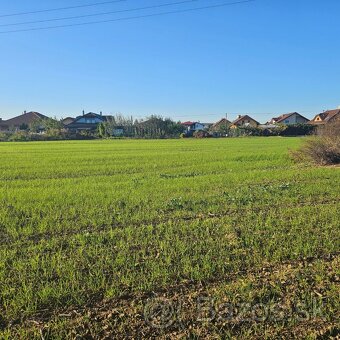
x: 266, y: 57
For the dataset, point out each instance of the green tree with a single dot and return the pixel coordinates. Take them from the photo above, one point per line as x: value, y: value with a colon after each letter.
x: 102, y: 130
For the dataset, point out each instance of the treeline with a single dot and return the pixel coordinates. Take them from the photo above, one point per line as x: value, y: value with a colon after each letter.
x: 247, y: 131
x: 117, y: 126
x: 280, y: 130
x: 153, y: 127
x: 41, y: 130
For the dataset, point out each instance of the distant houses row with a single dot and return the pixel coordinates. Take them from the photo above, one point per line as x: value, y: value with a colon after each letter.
x: 90, y: 121
x: 293, y: 118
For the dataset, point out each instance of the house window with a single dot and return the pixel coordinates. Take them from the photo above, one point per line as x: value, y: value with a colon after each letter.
x: 90, y: 120
x: 286, y: 121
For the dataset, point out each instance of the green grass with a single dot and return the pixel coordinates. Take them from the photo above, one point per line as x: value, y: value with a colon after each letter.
x: 87, y: 222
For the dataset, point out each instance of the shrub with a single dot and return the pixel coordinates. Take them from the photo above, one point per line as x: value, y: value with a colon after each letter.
x: 323, y: 149
x: 201, y: 134
x: 296, y: 130
x: 19, y: 136
x: 4, y: 137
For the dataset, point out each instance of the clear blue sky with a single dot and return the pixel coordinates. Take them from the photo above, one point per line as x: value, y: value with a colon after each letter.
x: 263, y: 57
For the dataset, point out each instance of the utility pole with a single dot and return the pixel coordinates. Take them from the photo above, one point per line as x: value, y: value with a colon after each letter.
x: 226, y: 124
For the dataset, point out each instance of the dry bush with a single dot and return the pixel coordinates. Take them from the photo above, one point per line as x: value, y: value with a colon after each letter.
x: 323, y: 149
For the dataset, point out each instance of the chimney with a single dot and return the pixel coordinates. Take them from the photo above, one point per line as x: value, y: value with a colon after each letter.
x: 25, y: 112
x: 101, y: 113
x: 83, y: 112
x: 239, y: 116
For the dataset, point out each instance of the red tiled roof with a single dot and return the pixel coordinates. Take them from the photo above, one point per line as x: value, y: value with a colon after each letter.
x: 282, y: 117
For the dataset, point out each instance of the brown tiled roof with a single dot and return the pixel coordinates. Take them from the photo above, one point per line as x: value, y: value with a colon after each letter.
x: 221, y: 121
x: 26, y: 118
x: 244, y: 117
x: 282, y: 117
x: 287, y: 115
x: 325, y: 116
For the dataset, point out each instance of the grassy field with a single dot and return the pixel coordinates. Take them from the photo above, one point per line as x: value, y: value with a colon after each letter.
x: 177, y: 238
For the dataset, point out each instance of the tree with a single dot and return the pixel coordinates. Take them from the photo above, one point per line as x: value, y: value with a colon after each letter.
x: 46, y: 124
x: 158, y: 127
x: 102, y: 130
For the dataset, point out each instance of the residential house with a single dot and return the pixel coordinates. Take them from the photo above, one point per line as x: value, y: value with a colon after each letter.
x: 3, y: 126
x: 221, y: 125
x: 21, y: 122
x: 207, y: 126
x: 67, y: 121
x: 86, y: 122
x: 192, y: 127
x: 289, y: 119
x: 326, y: 117
x: 244, y: 121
